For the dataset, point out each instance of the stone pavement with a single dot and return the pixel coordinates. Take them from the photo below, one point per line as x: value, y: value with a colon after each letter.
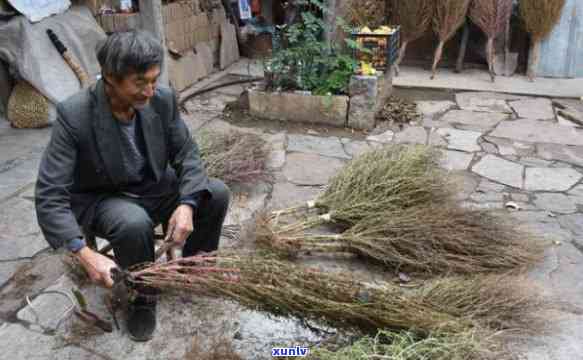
x: 502, y: 150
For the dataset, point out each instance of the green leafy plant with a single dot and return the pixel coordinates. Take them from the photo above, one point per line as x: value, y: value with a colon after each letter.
x: 303, y: 60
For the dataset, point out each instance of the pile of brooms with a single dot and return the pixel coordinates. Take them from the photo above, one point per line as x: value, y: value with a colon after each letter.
x: 391, y: 206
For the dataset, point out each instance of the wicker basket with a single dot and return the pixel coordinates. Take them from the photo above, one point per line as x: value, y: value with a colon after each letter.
x: 28, y: 108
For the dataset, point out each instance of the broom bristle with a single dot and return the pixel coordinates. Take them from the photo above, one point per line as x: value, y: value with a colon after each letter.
x: 540, y: 16
x: 393, y: 177
x: 432, y: 239
x: 451, y: 305
x: 234, y: 157
x: 445, y: 238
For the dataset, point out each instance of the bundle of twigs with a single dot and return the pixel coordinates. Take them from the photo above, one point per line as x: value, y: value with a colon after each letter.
x: 491, y: 16
x: 438, y: 238
x: 234, y: 157
x: 337, y: 299
x: 406, y: 345
x: 414, y: 17
x: 398, y: 110
x: 449, y: 16
x: 369, y: 13
x: 540, y: 17
x: 392, y: 177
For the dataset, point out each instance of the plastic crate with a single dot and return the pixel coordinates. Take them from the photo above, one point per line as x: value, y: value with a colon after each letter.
x: 384, y: 48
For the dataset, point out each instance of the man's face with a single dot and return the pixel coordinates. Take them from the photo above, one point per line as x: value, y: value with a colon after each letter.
x: 135, y: 89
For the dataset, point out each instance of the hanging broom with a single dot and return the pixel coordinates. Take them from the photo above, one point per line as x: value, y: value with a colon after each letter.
x: 427, y: 239
x: 491, y: 16
x: 540, y: 17
x: 337, y: 299
x: 234, y: 157
x: 414, y: 16
x: 392, y: 177
x: 449, y: 16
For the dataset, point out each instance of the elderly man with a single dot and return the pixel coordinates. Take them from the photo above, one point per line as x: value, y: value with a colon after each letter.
x: 120, y: 162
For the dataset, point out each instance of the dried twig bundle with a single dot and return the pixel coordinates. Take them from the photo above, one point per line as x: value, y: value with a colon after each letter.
x: 406, y: 345
x: 540, y: 17
x: 414, y: 16
x: 449, y: 16
x: 283, y: 289
x: 392, y: 177
x: 491, y: 16
x: 234, y: 157
x: 398, y: 110
x: 450, y: 305
x: 369, y: 13
x: 496, y: 301
x: 426, y: 239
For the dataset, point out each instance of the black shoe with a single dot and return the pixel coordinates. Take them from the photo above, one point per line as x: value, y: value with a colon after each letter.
x: 142, y: 319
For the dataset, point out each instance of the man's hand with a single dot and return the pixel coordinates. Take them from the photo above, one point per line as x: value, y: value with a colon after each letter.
x: 97, y: 266
x: 180, y: 225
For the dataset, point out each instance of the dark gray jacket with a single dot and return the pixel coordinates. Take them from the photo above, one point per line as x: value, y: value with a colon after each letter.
x: 82, y: 163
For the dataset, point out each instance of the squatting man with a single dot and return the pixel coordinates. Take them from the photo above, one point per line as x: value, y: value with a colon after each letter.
x: 122, y: 161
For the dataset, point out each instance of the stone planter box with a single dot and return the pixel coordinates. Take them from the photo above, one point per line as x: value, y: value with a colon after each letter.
x: 367, y: 96
x: 327, y: 110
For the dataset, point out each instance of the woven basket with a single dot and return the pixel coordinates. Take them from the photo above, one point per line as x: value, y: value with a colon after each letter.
x: 28, y: 108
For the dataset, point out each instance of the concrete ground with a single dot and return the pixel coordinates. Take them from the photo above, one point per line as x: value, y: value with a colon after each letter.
x: 502, y: 150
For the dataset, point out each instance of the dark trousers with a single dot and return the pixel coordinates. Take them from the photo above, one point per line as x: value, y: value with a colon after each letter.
x: 128, y: 223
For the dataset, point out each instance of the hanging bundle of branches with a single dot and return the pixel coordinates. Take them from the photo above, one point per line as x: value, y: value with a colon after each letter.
x: 491, y: 16
x: 234, y: 157
x: 392, y: 177
x: 414, y: 16
x: 540, y: 17
x: 337, y: 299
x: 427, y: 239
x: 369, y: 13
x: 449, y: 16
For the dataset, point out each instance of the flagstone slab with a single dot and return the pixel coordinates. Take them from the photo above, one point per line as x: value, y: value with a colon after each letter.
x: 432, y: 109
x: 569, y: 154
x: 286, y: 195
x: 384, y: 138
x: 573, y: 223
x: 551, y: 179
x: 570, y: 109
x: 310, y: 169
x: 541, y: 224
x: 20, y: 235
x: 500, y: 170
x: 325, y: 146
x: 538, y: 132
x: 471, y: 120
x: 535, y: 108
x: 555, y: 202
x: 456, y: 160
x: 436, y: 140
x: 355, y: 148
x: 485, y: 102
x: 461, y: 139
x: 412, y: 135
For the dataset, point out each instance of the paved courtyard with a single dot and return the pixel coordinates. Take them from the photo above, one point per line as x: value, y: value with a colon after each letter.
x: 520, y: 155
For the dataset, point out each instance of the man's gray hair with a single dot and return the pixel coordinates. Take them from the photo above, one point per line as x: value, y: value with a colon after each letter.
x: 129, y: 52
